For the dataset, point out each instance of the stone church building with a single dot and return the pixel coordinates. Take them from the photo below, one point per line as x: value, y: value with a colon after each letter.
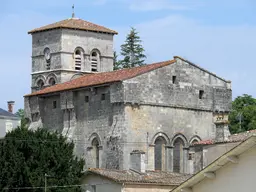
x: 118, y: 119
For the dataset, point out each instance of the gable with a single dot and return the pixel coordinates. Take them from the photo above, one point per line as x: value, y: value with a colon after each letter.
x: 180, y: 85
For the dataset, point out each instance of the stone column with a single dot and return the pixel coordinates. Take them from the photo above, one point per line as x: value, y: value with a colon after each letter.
x: 169, y: 158
x: 221, y: 123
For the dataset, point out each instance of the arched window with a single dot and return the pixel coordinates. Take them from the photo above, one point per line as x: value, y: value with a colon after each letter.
x: 177, y: 154
x: 194, y: 139
x: 95, y: 152
x: 94, y: 61
x: 78, y: 59
x: 52, y: 81
x: 160, y: 143
x: 40, y: 84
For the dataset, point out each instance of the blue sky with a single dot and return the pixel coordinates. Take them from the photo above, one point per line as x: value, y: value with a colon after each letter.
x: 217, y: 35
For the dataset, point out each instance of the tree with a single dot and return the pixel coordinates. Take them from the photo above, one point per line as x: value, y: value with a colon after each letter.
x: 26, y: 156
x: 20, y: 113
x: 132, y: 51
x: 243, y: 114
x: 117, y: 63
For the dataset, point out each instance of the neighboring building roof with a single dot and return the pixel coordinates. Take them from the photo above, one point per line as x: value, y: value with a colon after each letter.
x: 213, y: 167
x: 133, y: 177
x: 5, y: 113
x: 102, y: 78
x: 74, y: 23
x: 238, y: 137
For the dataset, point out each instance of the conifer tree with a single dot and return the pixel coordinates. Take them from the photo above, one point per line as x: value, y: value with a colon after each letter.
x: 132, y: 51
x: 26, y: 156
x: 117, y: 63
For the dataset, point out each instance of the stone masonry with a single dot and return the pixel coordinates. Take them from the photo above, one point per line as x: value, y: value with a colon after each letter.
x: 107, y: 121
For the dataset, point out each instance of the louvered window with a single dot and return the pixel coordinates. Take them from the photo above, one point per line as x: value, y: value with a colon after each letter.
x: 94, y: 61
x: 78, y: 60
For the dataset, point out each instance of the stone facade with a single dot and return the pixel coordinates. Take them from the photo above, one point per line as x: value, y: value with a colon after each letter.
x: 62, y: 45
x: 160, y: 112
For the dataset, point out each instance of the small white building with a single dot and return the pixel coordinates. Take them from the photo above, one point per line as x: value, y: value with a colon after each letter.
x: 8, y: 120
x: 235, y: 171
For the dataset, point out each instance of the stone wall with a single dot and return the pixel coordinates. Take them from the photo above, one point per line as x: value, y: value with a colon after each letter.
x: 63, y: 44
x: 130, y: 115
x: 88, y: 41
x: 158, y: 105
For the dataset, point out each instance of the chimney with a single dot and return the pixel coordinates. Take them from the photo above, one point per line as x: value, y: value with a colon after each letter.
x: 137, y: 159
x: 10, y: 106
x: 222, y: 130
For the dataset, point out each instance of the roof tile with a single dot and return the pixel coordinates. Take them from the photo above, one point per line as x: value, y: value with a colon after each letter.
x: 152, y: 177
x: 238, y: 137
x: 102, y: 78
x: 74, y: 23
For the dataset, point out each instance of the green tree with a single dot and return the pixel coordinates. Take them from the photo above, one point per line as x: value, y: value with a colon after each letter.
x: 26, y: 156
x: 132, y: 51
x: 23, y: 121
x: 117, y: 63
x: 243, y: 114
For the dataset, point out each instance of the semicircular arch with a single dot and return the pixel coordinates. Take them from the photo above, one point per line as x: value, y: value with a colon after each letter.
x: 182, y: 137
x: 160, y: 134
x: 195, y: 138
x: 94, y: 136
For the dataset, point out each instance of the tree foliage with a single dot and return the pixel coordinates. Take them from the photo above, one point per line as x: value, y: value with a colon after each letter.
x: 132, y: 51
x: 117, y: 63
x: 244, y: 111
x: 26, y: 156
x: 23, y: 121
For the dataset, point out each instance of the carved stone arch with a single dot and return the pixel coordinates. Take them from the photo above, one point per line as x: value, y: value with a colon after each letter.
x: 49, y: 77
x: 80, y: 49
x: 39, y: 80
x: 195, y: 138
x: 95, y: 50
x: 94, y: 136
x: 77, y: 75
x: 160, y: 134
x: 182, y: 137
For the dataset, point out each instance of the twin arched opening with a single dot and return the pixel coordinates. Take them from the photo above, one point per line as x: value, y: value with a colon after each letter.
x: 170, y: 155
x: 94, y: 59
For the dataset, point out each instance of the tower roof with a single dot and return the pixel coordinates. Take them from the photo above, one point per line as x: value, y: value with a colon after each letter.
x: 74, y: 23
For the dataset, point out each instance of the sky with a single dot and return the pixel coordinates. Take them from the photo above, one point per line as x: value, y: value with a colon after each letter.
x: 217, y: 35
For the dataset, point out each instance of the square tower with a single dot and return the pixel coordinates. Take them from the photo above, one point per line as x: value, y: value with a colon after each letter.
x: 68, y: 49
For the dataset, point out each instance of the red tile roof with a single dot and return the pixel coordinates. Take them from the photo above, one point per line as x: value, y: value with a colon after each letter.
x: 149, y: 177
x: 102, y: 78
x: 238, y: 137
x: 74, y: 23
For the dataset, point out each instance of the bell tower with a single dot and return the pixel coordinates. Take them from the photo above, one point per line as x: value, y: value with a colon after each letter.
x: 68, y: 49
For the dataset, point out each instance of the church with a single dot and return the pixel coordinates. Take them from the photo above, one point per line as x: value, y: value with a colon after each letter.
x: 146, y: 116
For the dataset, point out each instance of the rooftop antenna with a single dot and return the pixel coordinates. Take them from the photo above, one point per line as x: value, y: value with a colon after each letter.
x: 73, y: 11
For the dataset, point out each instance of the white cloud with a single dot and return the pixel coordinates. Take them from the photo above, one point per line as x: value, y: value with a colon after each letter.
x: 227, y: 51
